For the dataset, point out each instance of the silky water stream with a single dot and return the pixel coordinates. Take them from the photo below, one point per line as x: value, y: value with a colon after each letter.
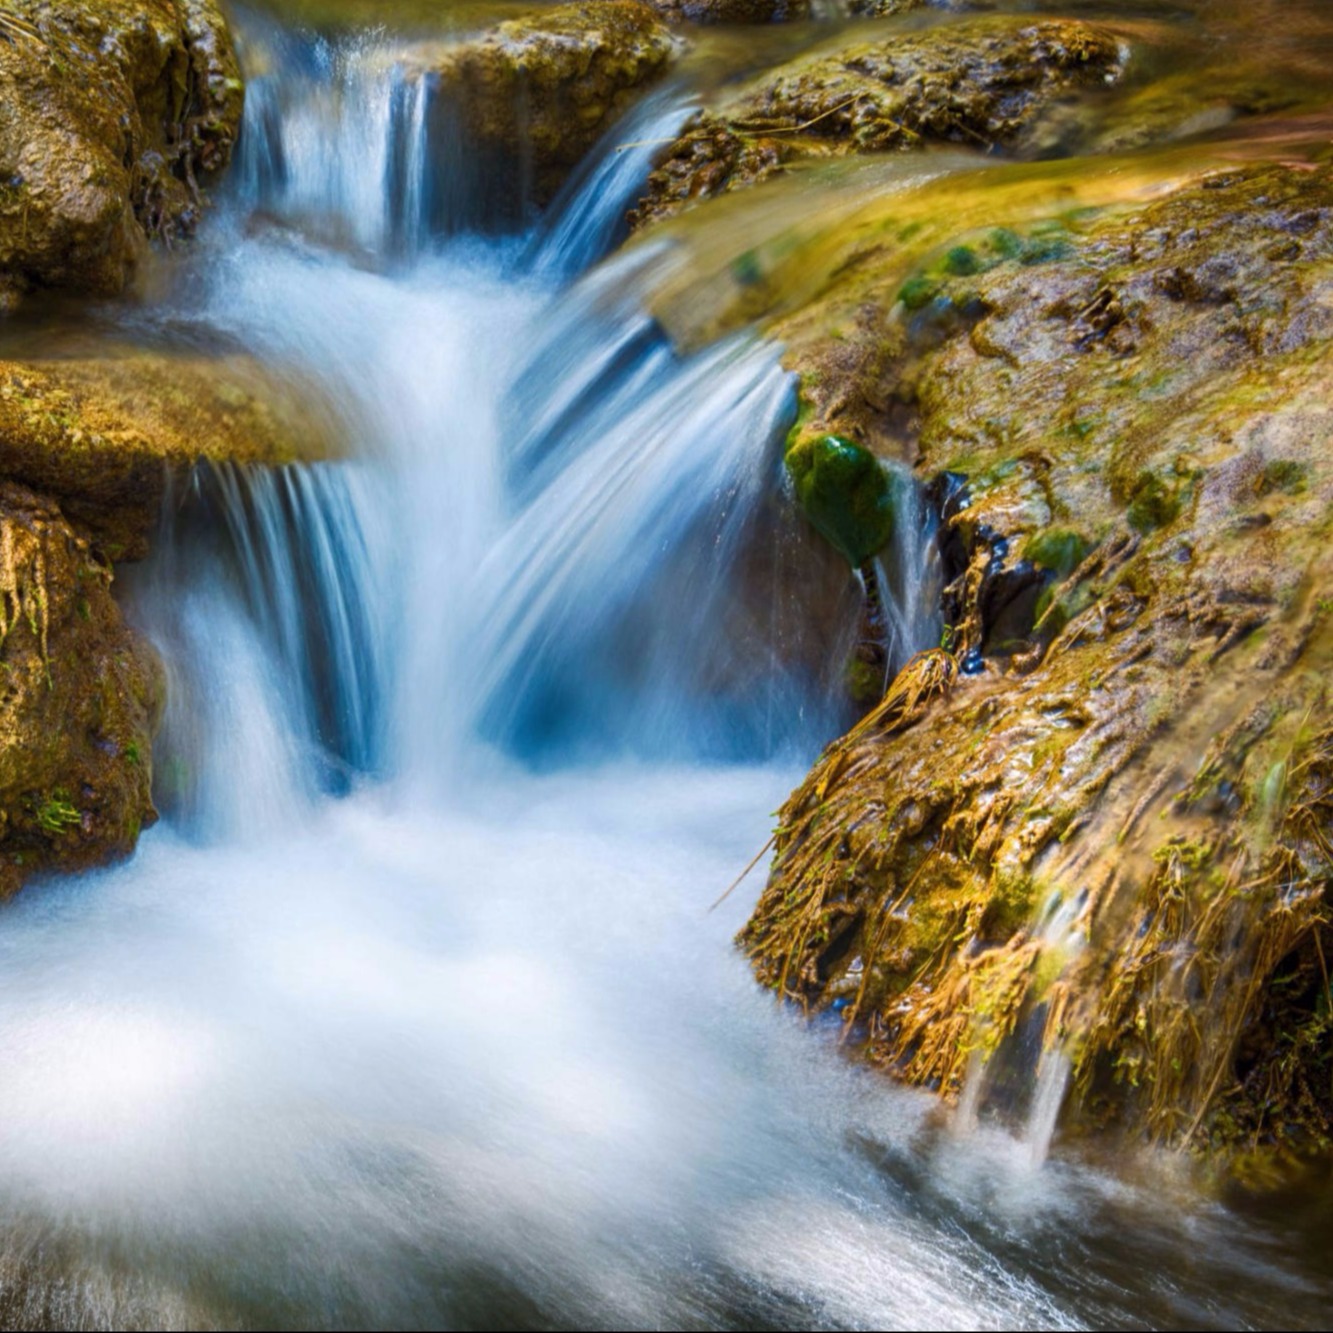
x: 411, y: 1013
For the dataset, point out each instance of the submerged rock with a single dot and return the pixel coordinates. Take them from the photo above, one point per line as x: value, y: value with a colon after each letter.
x: 102, y: 434
x: 115, y: 113
x: 982, y: 83
x: 1104, y: 816
x: 530, y: 97
x: 80, y: 701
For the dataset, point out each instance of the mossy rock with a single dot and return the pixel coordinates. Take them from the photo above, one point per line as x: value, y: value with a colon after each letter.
x: 732, y: 11
x: 1149, y: 415
x: 982, y: 81
x: 532, y: 95
x: 849, y: 495
x: 80, y: 698
x: 116, y: 112
x: 102, y: 428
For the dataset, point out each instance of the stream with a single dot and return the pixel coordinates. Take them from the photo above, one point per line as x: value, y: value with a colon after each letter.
x: 412, y: 1012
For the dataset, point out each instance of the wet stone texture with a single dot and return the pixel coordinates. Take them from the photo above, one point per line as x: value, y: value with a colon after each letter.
x: 1100, y: 815
x: 981, y: 83
x: 103, y: 430
x: 112, y: 116
x: 525, y: 101
x: 80, y: 696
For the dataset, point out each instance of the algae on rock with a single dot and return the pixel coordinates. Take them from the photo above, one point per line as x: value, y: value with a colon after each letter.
x: 80, y: 696
x: 1128, y: 437
x: 981, y: 82
x: 531, y: 96
x: 101, y: 429
x: 114, y: 114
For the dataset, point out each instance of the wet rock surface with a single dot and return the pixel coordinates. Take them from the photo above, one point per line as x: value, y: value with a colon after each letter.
x: 79, y: 700
x: 1098, y: 815
x: 530, y: 97
x: 115, y: 115
x: 103, y: 432
x: 982, y: 83
x: 732, y: 11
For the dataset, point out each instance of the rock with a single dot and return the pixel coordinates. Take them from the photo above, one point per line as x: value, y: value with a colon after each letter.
x: 732, y: 11
x: 530, y: 97
x: 983, y: 83
x: 101, y: 433
x: 115, y: 112
x: 1104, y: 817
x: 80, y: 701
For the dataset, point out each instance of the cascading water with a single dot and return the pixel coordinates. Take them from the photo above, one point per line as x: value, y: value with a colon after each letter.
x: 411, y: 1014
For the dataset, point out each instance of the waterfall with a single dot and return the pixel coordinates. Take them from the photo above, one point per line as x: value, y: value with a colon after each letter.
x: 411, y: 1012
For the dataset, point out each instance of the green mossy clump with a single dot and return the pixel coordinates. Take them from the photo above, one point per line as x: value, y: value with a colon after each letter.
x: 1057, y: 550
x: 117, y: 112
x: 849, y: 495
x: 1129, y: 447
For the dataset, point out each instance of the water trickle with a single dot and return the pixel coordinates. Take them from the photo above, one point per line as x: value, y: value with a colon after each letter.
x: 588, y: 218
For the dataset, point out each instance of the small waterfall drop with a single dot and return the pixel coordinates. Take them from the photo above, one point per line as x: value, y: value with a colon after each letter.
x: 412, y: 1012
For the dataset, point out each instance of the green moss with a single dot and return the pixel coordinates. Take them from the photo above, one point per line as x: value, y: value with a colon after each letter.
x: 962, y: 261
x: 846, y: 492
x: 918, y: 291
x: 1058, y: 550
x: 1154, y: 504
x: 57, y: 815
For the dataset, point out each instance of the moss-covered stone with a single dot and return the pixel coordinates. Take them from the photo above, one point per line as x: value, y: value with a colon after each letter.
x: 80, y: 697
x: 846, y: 492
x: 102, y: 433
x: 533, y: 95
x: 981, y: 82
x: 732, y: 11
x: 116, y: 112
x: 1141, y: 426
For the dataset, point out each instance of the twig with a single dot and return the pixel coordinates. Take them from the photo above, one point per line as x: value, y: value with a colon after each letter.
x: 736, y: 883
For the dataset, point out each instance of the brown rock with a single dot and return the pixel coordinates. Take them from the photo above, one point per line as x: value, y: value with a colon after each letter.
x: 983, y: 83
x: 1127, y: 423
x: 111, y: 115
x: 80, y: 696
x: 102, y: 433
x: 531, y: 96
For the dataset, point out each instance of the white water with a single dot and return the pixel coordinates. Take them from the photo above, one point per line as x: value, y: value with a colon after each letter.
x: 411, y: 1014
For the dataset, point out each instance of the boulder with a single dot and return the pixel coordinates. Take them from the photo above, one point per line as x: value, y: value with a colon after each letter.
x: 732, y: 11
x: 982, y: 83
x: 113, y: 113
x: 80, y: 696
x: 101, y: 431
x: 1100, y: 815
x: 528, y: 98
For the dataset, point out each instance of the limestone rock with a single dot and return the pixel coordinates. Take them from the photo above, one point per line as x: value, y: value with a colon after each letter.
x: 112, y: 114
x: 1126, y: 428
x: 530, y: 97
x: 984, y: 83
x: 101, y: 433
x: 80, y: 696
